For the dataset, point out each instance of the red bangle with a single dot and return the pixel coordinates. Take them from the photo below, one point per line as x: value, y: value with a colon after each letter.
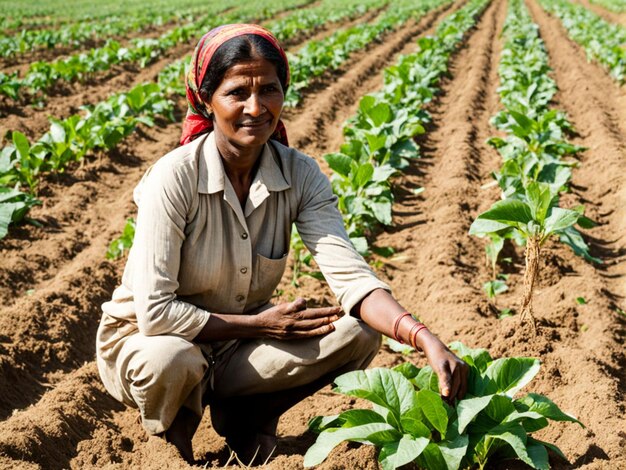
x: 415, y: 329
x: 396, y: 324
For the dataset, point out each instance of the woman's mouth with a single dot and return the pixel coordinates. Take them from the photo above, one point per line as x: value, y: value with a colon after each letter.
x: 254, y: 124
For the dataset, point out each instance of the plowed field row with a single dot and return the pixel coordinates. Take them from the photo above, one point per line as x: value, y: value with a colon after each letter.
x: 56, y: 414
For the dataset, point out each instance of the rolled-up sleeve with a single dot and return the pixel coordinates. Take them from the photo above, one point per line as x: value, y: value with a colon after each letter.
x: 164, y: 202
x: 321, y: 227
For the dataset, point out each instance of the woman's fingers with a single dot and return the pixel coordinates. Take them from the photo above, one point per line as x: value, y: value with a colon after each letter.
x: 311, y: 313
x: 445, y: 380
x: 314, y: 323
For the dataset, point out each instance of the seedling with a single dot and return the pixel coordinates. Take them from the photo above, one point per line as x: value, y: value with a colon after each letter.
x: 533, y: 221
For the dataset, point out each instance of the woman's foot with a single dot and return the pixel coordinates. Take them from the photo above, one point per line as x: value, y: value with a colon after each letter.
x: 181, y: 432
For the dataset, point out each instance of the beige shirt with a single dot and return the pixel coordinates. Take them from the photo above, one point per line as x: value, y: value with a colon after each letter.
x: 196, y: 251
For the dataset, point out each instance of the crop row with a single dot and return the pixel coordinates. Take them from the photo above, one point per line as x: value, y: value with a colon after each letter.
x: 316, y: 57
x: 618, y: 6
x: 312, y: 18
x: 75, y: 34
x: 535, y: 169
x: 379, y: 140
x: 602, y: 41
x: 53, y: 11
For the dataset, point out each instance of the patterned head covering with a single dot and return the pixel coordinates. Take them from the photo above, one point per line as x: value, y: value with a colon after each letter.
x: 197, y: 121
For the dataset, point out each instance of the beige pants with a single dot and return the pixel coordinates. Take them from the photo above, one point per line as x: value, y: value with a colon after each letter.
x: 159, y: 374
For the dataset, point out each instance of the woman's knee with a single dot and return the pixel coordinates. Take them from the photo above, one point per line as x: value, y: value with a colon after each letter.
x: 166, y: 358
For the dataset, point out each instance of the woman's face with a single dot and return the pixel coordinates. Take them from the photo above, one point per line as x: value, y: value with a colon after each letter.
x: 247, y: 104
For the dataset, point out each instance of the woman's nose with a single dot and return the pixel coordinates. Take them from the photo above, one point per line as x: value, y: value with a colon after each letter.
x: 254, y: 107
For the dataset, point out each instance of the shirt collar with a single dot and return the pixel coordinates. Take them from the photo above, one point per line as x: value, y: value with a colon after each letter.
x: 212, y: 177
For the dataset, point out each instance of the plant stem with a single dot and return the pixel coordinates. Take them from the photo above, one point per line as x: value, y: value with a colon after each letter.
x: 530, y: 276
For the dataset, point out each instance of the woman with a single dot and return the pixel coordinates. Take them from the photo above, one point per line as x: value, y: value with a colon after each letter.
x: 191, y: 323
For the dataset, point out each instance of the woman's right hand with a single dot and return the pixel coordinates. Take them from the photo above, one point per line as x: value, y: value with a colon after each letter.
x: 292, y: 320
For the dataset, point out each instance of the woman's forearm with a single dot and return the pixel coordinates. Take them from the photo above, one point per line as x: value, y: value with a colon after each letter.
x: 222, y: 327
x: 383, y: 313
x: 380, y: 311
x: 290, y: 320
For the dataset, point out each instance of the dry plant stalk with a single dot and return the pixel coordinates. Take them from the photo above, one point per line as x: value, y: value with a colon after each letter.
x: 530, y: 276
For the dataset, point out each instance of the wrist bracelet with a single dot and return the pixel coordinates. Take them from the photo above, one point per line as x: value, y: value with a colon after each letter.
x: 415, y: 329
x: 396, y: 324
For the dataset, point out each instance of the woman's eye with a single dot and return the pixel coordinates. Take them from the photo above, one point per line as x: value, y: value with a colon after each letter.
x: 235, y: 92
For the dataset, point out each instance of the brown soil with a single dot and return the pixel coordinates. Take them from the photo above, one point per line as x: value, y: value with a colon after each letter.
x: 54, y: 278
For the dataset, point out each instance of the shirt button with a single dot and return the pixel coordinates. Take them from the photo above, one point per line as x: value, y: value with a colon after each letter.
x: 239, y: 298
x: 244, y: 235
x: 243, y: 270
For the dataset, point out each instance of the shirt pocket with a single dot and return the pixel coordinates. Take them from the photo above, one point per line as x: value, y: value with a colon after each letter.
x: 267, y: 274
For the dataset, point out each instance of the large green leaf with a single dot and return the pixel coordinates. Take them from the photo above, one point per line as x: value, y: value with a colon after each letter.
x: 560, y: 219
x: 427, y: 379
x: 431, y: 405
x: 329, y: 439
x: 545, y: 407
x: 454, y: 450
x: 551, y: 447
x: 363, y: 175
x: 339, y: 163
x: 539, y: 456
x: 511, y: 374
x: 515, y: 436
x: 384, y: 387
x: 539, y: 199
x: 477, y: 357
x: 6, y: 213
x: 432, y: 458
x: 509, y: 210
x: 481, y: 227
x: 347, y: 419
x: 379, y: 114
x: 382, y: 211
x: 396, y: 454
x: 468, y: 408
x: 21, y: 144
x: 499, y: 408
x: 407, y: 369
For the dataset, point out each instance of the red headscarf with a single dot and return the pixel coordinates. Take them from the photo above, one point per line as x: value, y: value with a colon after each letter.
x: 197, y: 121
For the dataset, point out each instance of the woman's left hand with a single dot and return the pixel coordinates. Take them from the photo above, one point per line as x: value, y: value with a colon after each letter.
x: 451, y: 371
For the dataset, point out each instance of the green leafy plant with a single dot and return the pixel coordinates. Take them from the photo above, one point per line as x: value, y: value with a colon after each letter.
x: 602, y: 40
x: 534, y: 170
x: 409, y: 422
x: 532, y: 221
x: 124, y: 242
x: 496, y: 287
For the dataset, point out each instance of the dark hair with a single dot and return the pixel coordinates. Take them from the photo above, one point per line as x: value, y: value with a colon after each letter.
x: 240, y: 49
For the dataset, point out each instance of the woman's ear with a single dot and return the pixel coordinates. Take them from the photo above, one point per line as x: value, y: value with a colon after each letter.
x: 204, y: 97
